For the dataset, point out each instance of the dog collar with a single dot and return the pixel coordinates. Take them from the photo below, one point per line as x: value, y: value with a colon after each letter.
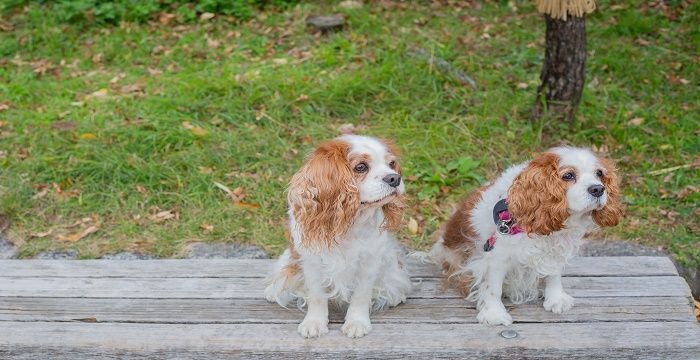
x: 505, y: 224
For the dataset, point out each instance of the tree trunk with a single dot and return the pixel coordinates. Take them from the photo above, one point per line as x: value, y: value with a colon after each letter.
x: 563, y: 69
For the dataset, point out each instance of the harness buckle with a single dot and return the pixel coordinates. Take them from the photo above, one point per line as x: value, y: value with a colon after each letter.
x: 504, y: 228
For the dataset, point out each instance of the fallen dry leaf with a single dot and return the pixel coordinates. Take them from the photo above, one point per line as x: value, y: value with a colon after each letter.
x: 4, y: 106
x: 350, y: 4
x: 166, y: 18
x: 279, y: 61
x: 40, y: 234
x: 63, y: 125
x: 5, y: 26
x: 155, y: 72
x: 413, y: 226
x: 99, y: 94
x: 246, y: 205
x: 686, y: 191
x: 196, y: 130
x: 136, y: 88
x: 522, y: 85
x: 80, y: 222
x: 206, y: 16
x: 41, y: 193
x: 77, y: 236
x: 163, y: 215
x: 88, y: 136
x: 236, y: 195
x: 213, y: 43
x: 116, y: 78
x: 206, y: 227
x: 41, y: 67
x: 636, y: 121
x: 140, y: 189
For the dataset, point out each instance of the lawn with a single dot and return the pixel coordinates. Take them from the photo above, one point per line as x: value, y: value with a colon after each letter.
x: 148, y: 136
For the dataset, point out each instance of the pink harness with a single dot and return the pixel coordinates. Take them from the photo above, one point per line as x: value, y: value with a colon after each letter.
x: 506, y: 225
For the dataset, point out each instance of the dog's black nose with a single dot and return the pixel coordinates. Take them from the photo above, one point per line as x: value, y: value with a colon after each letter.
x: 392, y: 179
x: 596, y: 190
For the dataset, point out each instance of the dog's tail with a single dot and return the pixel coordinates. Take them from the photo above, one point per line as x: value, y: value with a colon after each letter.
x: 285, y: 283
x: 452, y: 263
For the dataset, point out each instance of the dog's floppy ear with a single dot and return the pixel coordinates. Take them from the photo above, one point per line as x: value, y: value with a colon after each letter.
x: 393, y: 211
x: 323, y: 196
x: 611, y: 214
x: 537, y: 198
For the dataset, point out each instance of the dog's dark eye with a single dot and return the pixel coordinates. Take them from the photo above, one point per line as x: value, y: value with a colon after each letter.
x: 392, y: 164
x: 569, y: 176
x: 361, y: 167
x: 599, y: 173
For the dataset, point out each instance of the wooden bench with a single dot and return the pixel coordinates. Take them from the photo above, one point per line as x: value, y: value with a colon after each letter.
x: 626, y: 307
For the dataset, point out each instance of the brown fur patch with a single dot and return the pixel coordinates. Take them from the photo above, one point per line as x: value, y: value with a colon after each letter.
x: 323, y: 196
x: 537, y: 198
x: 612, y: 212
x: 459, y: 240
x: 293, y: 267
x: 393, y: 213
x: 459, y: 231
x: 393, y: 151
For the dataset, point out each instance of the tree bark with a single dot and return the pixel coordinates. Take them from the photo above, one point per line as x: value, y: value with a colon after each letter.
x: 563, y: 70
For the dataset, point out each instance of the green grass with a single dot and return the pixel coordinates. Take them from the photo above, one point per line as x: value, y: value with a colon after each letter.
x: 258, y: 95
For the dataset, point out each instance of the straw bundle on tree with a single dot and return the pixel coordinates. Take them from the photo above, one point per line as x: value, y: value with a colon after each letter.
x: 560, y: 9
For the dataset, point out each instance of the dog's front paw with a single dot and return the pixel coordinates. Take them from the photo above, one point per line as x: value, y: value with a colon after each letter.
x: 558, y: 303
x: 356, y: 328
x: 494, y: 315
x: 310, y: 328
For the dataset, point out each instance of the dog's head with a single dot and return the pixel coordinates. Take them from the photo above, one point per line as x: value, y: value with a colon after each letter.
x: 341, y: 177
x: 561, y: 182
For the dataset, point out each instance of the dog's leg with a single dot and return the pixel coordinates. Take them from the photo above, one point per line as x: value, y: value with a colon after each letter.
x: 357, y: 323
x: 315, y: 323
x: 491, y: 308
x: 555, y: 299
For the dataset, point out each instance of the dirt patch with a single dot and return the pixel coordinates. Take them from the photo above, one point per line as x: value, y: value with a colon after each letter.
x: 200, y: 250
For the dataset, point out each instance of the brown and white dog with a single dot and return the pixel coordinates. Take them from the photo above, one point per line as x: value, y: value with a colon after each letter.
x: 524, y: 227
x: 344, y: 204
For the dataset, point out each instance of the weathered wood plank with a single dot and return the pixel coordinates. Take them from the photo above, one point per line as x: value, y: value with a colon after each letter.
x: 638, y: 340
x: 580, y: 266
x: 218, y: 288
x: 236, y: 311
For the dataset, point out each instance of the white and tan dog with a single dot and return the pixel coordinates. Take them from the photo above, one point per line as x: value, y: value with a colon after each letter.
x: 344, y: 204
x: 524, y: 227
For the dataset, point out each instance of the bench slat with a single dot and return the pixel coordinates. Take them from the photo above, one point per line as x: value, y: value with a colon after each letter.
x: 580, y: 266
x: 217, y: 288
x: 234, y: 311
x: 640, y: 340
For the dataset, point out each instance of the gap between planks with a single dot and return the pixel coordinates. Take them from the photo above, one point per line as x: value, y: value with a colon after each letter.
x: 253, y: 287
x: 217, y: 311
x: 579, y: 266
